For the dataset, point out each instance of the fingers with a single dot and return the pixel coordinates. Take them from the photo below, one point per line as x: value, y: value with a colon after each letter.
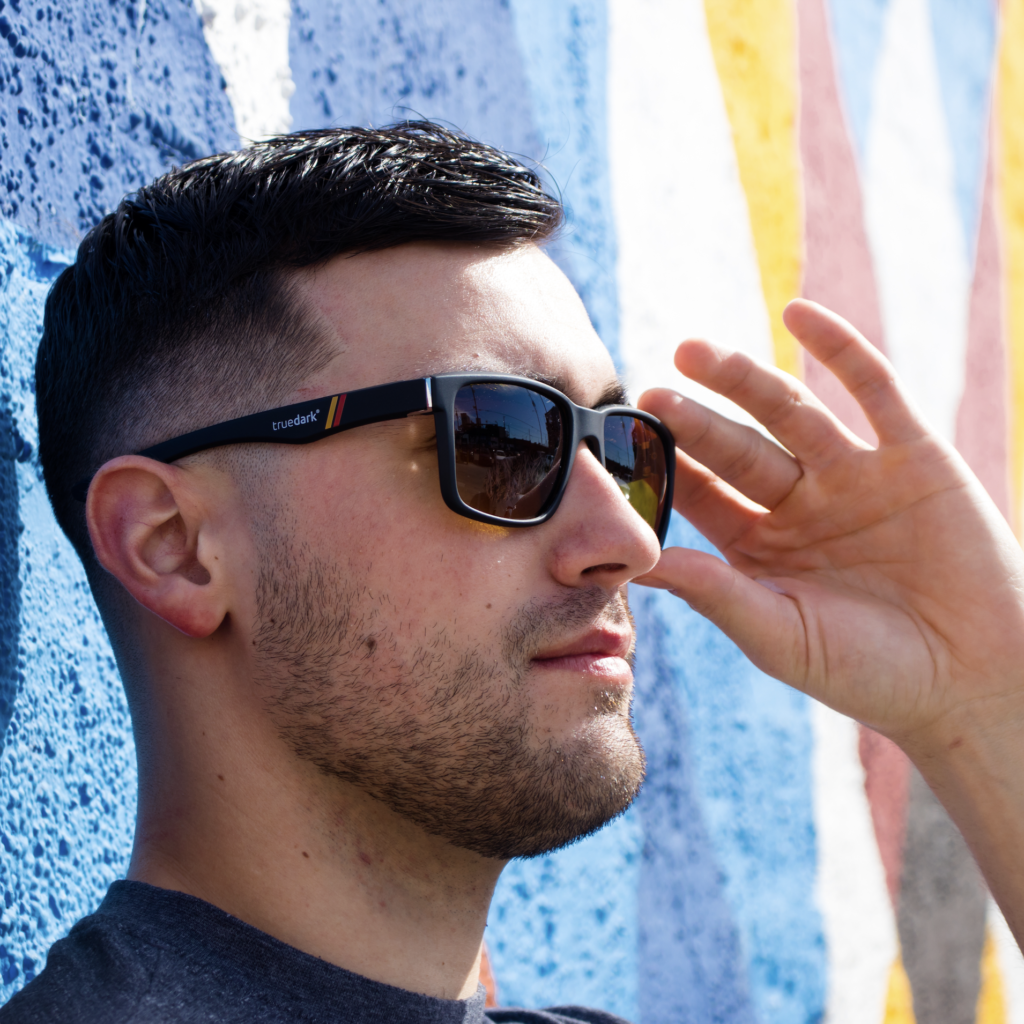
x: 739, y: 455
x: 859, y: 367
x: 788, y: 409
x: 764, y: 623
x: 714, y: 508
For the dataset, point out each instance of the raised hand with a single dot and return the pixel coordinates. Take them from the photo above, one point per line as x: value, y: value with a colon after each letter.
x: 882, y: 581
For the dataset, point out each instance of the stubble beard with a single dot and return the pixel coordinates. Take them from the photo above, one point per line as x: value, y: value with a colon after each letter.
x: 437, y: 731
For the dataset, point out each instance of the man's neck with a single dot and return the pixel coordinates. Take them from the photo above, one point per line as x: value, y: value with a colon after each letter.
x: 311, y: 860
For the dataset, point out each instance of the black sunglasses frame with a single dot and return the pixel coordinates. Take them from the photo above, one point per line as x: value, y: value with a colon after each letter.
x: 305, y: 422
x: 579, y: 424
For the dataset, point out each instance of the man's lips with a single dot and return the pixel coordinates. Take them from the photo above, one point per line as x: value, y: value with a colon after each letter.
x: 601, y: 652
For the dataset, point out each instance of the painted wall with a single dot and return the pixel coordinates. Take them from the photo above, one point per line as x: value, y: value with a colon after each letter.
x: 717, y: 157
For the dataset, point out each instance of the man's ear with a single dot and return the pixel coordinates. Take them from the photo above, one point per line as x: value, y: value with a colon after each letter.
x: 149, y: 528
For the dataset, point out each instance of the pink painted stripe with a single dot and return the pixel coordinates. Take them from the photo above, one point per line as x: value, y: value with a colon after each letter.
x: 887, y: 782
x: 982, y: 425
x: 838, y: 271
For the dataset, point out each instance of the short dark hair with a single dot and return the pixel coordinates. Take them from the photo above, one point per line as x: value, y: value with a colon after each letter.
x: 177, y: 311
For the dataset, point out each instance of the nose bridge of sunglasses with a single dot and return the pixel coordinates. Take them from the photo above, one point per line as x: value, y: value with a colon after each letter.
x: 590, y: 430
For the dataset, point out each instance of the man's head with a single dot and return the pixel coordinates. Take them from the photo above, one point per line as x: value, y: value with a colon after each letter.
x: 474, y: 679
x: 179, y: 310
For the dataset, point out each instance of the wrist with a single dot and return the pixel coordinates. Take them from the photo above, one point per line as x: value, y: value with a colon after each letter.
x: 973, y: 760
x: 981, y: 737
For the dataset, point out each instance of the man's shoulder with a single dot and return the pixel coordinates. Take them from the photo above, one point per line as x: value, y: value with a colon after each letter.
x: 554, y: 1015
x: 98, y: 973
x: 151, y: 955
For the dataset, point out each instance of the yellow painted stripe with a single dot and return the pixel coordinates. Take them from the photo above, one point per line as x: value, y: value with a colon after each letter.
x: 899, y: 1001
x: 330, y: 415
x: 754, y: 44
x: 1010, y: 197
x: 991, y: 1001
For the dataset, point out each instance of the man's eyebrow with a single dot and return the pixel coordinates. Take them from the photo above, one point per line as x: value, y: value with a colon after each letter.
x: 614, y: 392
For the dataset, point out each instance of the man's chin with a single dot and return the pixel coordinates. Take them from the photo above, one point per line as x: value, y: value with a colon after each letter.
x: 570, y: 795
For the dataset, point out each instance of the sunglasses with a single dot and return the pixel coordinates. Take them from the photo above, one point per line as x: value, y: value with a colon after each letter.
x: 505, y: 445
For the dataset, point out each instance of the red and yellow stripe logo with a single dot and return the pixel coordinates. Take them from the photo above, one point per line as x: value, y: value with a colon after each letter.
x: 334, y: 413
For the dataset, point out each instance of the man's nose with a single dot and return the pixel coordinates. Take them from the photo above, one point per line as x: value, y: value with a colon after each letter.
x: 600, y: 538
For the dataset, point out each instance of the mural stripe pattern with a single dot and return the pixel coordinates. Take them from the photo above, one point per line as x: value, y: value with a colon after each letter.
x: 838, y: 271
x: 659, y: 55
x: 1009, y: 965
x: 991, y: 1007
x: 754, y: 43
x: 899, y: 999
x: 249, y: 41
x: 662, y: 71
x: 857, y: 36
x: 872, y: 785
x: 1010, y: 192
x: 778, y: 853
x: 860, y: 929
x: 983, y: 420
x: 563, y: 49
x: 912, y: 217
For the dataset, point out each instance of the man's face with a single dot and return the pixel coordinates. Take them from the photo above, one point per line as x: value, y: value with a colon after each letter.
x: 475, y: 679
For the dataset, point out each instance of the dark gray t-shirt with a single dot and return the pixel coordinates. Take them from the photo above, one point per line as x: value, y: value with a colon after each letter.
x: 154, y: 956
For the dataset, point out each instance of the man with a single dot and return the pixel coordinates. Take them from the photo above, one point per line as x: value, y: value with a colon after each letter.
x: 365, y: 580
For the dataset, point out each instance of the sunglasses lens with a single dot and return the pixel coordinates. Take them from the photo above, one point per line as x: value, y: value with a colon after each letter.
x: 635, y: 457
x: 508, y: 449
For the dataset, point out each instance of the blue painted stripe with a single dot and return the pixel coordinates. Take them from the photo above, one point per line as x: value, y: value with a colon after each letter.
x: 564, y: 48
x: 749, y: 742
x: 691, y: 959
x: 964, y: 33
x: 563, y: 928
x: 857, y: 27
x: 375, y: 63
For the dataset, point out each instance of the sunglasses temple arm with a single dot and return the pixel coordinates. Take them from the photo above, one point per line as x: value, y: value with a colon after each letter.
x: 300, y: 423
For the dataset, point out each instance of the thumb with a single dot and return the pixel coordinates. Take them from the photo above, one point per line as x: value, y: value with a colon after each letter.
x: 756, y: 615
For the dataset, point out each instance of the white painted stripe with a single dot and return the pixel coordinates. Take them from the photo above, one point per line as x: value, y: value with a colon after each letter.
x: 687, y: 265
x: 859, y: 924
x: 1011, y: 964
x: 249, y: 40
x: 912, y: 219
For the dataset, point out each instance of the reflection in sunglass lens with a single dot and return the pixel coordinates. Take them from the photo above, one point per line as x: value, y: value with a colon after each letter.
x: 508, y: 449
x: 635, y: 457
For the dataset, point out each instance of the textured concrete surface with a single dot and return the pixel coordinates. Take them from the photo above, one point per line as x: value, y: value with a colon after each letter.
x: 98, y: 98
x: 10, y: 584
x: 67, y: 771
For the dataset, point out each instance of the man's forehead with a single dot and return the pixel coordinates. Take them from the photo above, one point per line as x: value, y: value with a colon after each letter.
x: 427, y: 308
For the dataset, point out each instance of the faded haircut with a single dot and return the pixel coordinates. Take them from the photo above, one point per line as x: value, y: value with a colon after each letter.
x: 177, y: 312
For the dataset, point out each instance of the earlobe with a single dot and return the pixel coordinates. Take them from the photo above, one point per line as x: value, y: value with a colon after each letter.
x: 149, y: 530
